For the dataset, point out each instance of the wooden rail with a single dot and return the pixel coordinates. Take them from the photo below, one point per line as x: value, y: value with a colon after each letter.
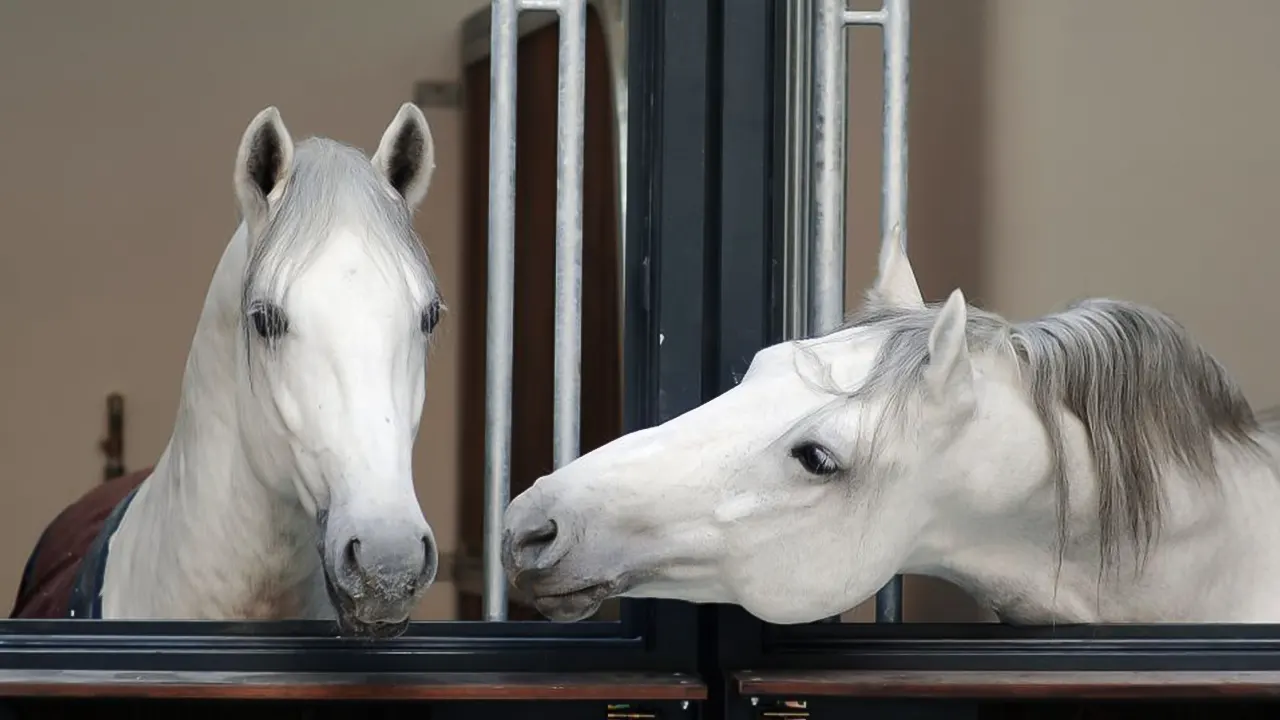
x: 351, y: 686
x: 1009, y: 685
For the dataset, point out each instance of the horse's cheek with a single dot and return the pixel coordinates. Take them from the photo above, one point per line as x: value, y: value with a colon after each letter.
x: 289, y: 410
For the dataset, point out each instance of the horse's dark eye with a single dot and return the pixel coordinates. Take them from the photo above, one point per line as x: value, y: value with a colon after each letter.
x: 815, y: 459
x: 430, y: 317
x: 268, y: 321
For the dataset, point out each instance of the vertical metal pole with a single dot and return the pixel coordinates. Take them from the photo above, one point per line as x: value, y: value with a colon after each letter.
x: 500, y: 318
x: 827, y: 147
x: 570, y: 129
x: 797, y: 123
x: 830, y: 88
x: 893, y: 212
x: 897, y: 33
x: 895, y: 17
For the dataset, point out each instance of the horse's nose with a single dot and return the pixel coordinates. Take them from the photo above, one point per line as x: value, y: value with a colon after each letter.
x: 388, y: 563
x: 532, y: 539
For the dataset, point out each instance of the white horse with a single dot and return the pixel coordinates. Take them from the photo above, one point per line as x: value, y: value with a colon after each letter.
x: 286, y: 489
x: 1094, y: 465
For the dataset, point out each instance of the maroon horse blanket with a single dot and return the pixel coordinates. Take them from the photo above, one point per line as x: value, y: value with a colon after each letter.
x: 56, y: 569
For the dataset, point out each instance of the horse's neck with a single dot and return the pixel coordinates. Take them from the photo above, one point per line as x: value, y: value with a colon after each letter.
x: 1216, y: 557
x: 204, y: 538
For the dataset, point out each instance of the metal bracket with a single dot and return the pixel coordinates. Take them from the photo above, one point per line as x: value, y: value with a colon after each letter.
x: 629, y: 711
x: 113, y: 444
x: 783, y: 710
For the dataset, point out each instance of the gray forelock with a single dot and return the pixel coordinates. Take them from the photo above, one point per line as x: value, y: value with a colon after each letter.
x: 331, y: 183
x: 1146, y: 394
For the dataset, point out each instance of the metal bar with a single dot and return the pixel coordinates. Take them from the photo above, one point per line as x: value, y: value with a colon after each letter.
x: 745, y: 315
x: 797, y: 119
x: 829, y: 169
x: 893, y: 210
x: 500, y: 318
x: 551, y: 5
x: 570, y: 129
x: 865, y: 17
x: 827, y: 150
x: 897, y: 32
x: 889, y: 601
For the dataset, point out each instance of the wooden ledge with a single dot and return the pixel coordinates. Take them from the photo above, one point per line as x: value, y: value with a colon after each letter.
x: 351, y: 686
x: 1011, y: 685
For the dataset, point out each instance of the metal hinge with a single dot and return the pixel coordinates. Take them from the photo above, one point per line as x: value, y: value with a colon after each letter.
x: 628, y: 711
x: 784, y: 710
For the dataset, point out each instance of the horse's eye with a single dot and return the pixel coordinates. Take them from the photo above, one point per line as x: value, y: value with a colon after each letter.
x: 815, y: 459
x: 269, y: 321
x: 430, y: 317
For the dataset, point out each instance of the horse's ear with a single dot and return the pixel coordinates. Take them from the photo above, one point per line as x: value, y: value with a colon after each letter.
x: 949, y: 374
x: 263, y: 165
x: 896, y: 283
x: 406, y: 155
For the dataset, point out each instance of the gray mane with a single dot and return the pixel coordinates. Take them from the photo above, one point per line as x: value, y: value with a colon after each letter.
x: 1145, y: 392
x: 332, y: 182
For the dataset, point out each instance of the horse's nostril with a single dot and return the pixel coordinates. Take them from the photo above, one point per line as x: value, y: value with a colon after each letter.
x: 351, y: 556
x: 384, y: 562
x: 430, y: 560
x: 533, y: 546
x: 543, y: 535
x: 538, y: 538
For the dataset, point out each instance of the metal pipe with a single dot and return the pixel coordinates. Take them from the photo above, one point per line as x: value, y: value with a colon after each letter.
x: 570, y: 129
x: 500, y: 315
x: 864, y: 17
x: 897, y: 32
x: 797, y: 81
x: 828, y: 153
x: 827, y: 147
x: 893, y: 211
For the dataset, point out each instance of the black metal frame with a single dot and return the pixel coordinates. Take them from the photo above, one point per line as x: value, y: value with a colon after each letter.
x: 746, y: 289
x: 751, y: 644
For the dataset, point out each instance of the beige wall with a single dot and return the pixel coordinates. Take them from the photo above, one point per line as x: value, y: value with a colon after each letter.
x: 1052, y: 157
x: 1139, y: 158
x: 118, y: 127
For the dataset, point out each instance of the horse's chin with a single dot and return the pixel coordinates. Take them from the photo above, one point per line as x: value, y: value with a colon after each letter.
x: 576, y: 605
x: 352, y: 627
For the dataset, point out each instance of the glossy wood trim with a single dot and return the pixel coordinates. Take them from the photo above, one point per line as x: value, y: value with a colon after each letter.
x: 351, y: 686
x: 1006, y: 684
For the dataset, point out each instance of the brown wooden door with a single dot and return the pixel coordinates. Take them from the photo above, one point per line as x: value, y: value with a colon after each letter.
x: 533, y: 353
